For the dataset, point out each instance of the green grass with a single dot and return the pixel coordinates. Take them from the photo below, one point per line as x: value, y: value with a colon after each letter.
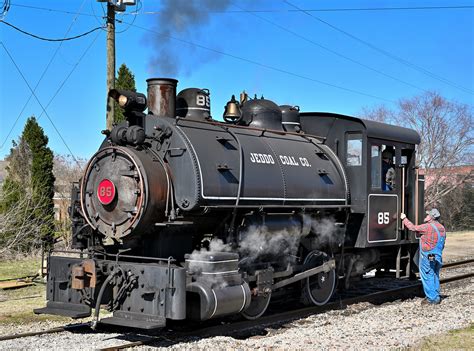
x: 14, y: 308
x: 19, y: 268
x: 461, y: 339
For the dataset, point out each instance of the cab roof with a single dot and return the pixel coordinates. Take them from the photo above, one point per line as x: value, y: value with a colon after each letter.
x: 374, y: 129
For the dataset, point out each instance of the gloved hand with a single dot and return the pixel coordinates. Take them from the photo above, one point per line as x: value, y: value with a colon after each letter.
x: 403, y: 216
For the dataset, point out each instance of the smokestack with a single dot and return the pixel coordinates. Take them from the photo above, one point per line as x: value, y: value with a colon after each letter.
x: 162, y: 96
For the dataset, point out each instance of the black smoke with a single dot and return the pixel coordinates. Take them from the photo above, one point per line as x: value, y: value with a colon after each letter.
x: 183, y: 19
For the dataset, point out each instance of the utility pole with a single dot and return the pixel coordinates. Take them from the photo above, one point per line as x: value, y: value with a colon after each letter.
x: 110, y: 115
x: 112, y: 6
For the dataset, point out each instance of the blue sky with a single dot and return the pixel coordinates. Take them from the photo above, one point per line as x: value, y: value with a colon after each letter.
x: 276, y: 53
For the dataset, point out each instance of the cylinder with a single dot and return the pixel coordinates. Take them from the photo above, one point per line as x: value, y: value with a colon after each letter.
x: 162, y: 96
x: 206, y: 302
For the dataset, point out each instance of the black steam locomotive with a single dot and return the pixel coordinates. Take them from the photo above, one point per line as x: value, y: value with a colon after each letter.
x: 179, y: 216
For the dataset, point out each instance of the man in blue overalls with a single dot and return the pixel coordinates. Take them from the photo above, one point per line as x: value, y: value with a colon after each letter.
x: 432, y: 237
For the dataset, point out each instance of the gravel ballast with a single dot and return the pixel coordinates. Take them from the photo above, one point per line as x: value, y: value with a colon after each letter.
x: 361, y: 326
x: 392, y: 325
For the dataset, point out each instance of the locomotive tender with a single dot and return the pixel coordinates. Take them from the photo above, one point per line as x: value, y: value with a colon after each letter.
x: 179, y: 216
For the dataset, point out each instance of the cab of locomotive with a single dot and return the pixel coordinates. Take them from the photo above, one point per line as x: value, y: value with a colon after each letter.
x: 380, y: 161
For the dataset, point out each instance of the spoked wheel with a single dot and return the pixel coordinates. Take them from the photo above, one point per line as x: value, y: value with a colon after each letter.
x: 258, y: 306
x: 318, y: 289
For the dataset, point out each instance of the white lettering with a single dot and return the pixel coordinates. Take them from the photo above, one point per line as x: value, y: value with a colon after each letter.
x: 304, y: 162
x: 293, y: 161
x: 261, y: 158
x: 202, y: 100
x: 383, y: 217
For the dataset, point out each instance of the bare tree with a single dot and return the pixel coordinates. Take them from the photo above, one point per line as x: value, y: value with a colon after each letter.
x: 66, y: 171
x: 20, y: 229
x: 378, y: 113
x: 447, y: 138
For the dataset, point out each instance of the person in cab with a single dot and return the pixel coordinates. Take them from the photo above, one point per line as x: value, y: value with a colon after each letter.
x: 388, y: 171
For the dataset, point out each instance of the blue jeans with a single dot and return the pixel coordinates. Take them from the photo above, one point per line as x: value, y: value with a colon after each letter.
x: 429, y: 273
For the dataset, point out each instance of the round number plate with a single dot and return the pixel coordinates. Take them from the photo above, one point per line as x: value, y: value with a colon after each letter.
x: 106, y: 191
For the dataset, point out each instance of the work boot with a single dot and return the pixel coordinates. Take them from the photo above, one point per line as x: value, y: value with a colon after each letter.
x: 429, y: 302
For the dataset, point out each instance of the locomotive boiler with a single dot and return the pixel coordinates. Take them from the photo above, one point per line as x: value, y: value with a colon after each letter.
x: 179, y: 216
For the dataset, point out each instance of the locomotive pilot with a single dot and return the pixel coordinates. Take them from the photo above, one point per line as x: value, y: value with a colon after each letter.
x: 432, y: 237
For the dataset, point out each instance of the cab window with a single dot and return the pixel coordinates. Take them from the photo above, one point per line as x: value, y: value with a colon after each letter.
x: 354, y: 150
x: 376, y: 164
x: 383, y: 174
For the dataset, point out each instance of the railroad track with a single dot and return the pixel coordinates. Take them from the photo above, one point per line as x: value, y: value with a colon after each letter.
x: 69, y: 327
x: 244, y: 327
x: 458, y: 263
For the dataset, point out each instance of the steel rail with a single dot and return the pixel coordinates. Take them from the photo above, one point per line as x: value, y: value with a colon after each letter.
x: 265, y: 321
x: 458, y: 263
x: 287, y: 316
x: 47, y: 331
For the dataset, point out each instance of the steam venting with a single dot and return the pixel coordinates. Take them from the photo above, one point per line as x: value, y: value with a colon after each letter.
x: 258, y: 241
x: 181, y: 19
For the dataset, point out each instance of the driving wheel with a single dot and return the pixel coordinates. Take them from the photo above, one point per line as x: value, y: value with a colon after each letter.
x: 258, y: 306
x: 318, y: 289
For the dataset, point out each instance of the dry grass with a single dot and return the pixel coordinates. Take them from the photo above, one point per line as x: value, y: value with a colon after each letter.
x: 462, y: 339
x: 16, y: 306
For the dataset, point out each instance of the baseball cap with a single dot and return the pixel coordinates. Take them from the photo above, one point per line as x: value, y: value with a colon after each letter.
x: 433, y: 213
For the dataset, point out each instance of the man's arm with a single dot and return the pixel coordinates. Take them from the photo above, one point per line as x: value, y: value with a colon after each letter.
x: 421, y: 228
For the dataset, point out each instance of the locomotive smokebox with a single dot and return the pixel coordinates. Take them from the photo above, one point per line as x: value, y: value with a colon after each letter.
x: 162, y: 96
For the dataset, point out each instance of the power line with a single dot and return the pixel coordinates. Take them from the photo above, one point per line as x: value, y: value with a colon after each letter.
x: 49, y: 39
x: 386, y: 53
x: 276, y: 69
x: 138, y: 7
x: 39, y: 102
x: 407, y: 8
x: 53, y: 10
x: 352, y: 9
x: 70, y: 73
x: 330, y: 50
x: 43, y: 74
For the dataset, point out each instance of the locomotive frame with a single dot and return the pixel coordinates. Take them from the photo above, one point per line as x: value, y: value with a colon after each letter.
x: 286, y: 204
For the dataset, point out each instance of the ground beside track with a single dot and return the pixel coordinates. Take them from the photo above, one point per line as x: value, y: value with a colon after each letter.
x: 402, y: 324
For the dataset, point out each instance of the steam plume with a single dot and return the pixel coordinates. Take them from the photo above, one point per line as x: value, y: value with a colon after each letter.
x: 183, y: 19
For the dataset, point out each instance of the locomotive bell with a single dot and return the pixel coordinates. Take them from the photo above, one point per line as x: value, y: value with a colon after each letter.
x: 232, y: 110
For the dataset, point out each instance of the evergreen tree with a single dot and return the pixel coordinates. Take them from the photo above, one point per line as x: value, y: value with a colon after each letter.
x: 125, y: 81
x: 42, y: 178
x: 18, y: 177
x: 26, y: 202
